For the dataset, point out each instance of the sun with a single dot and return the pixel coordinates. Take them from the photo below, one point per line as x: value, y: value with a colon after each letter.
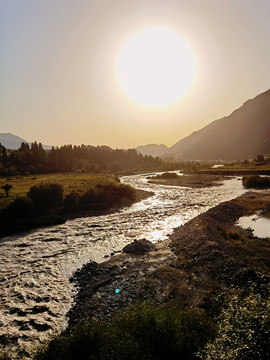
x: 156, y: 67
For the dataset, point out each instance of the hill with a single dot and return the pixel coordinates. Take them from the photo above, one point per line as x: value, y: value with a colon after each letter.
x: 243, y: 134
x: 13, y: 142
x: 152, y: 149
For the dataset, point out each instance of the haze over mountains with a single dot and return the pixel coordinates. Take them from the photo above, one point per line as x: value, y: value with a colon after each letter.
x: 242, y: 135
x: 152, y: 149
x: 13, y: 142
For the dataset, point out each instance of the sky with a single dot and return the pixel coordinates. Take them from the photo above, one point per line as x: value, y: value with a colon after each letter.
x: 59, y: 82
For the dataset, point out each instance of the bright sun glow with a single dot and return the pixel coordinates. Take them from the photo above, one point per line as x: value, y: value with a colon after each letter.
x: 156, y: 67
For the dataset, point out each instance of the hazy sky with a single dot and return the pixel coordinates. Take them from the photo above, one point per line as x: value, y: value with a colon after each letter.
x: 58, y: 58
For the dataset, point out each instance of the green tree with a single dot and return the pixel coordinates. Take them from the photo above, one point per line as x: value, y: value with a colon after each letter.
x: 7, y: 188
x: 46, y: 195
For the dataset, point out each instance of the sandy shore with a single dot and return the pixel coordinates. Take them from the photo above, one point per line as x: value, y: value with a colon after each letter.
x: 207, y: 254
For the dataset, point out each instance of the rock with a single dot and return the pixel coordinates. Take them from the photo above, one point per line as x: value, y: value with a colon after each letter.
x: 39, y: 326
x: 139, y: 247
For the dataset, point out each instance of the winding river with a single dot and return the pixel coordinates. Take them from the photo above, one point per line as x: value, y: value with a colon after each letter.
x: 35, y: 267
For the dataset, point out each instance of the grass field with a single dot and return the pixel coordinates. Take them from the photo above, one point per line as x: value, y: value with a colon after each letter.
x: 236, y: 168
x: 70, y: 182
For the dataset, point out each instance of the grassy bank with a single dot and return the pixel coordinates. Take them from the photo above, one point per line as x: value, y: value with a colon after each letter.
x: 237, y: 168
x: 70, y: 182
x: 188, y: 180
x: 51, y: 199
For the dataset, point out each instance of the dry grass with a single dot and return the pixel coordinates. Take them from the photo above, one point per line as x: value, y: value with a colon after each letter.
x: 237, y: 168
x: 70, y: 182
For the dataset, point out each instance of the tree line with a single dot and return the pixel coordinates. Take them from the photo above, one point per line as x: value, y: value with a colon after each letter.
x: 85, y: 158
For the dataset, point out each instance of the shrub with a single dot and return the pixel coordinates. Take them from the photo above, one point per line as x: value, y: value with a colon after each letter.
x: 7, y: 188
x: 145, y: 331
x: 168, y: 175
x: 71, y: 201
x: 148, y: 331
x: 21, y: 207
x: 90, y: 196
x: 256, y: 182
x: 46, y: 195
x: 244, y: 329
x: 108, y: 193
x: 84, y: 342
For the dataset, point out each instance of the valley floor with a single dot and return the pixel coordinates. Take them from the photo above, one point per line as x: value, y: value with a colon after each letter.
x: 208, y: 254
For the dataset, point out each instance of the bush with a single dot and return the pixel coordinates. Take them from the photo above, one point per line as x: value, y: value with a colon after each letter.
x: 108, y: 193
x: 71, y: 201
x: 256, y: 182
x: 148, y: 331
x: 244, y: 329
x: 168, y: 175
x: 85, y: 342
x: 145, y: 331
x: 21, y: 207
x: 46, y: 195
x: 7, y: 188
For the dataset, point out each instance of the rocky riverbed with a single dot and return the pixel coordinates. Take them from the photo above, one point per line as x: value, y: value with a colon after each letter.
x: 208, y: 253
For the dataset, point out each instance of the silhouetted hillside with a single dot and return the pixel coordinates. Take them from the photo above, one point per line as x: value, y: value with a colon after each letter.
x: 152, y: 149
x: 243, y: 134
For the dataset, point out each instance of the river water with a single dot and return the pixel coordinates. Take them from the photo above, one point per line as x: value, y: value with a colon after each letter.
x: 35, y: 267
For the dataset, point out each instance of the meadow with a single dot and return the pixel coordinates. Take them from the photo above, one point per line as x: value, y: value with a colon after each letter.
x: 29, y: 202
x: 70, y: 182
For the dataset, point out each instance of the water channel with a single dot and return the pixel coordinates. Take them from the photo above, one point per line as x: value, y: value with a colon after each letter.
x: 35, y: 267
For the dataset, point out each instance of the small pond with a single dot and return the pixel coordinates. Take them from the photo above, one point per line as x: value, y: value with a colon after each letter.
x: 259, y: 224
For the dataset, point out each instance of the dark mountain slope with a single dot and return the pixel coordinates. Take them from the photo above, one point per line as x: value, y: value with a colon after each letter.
x: 243, y: 134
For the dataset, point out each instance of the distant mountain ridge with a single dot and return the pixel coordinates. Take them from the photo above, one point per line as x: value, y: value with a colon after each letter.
x: 152, y: 149
x: 242, y: 135
x: 13, y: 142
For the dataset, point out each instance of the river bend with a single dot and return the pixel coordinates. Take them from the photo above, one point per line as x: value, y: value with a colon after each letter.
x: 35, y: 267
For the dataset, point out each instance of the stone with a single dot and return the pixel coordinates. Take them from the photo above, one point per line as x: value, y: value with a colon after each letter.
x: 139, y: 247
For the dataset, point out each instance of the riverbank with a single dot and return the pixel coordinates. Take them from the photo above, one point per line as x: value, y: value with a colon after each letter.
x: 189, y: 180
x: 17, y: 225
x: 210, y: 253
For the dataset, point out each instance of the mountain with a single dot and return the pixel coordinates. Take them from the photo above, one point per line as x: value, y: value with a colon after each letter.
x: 243, y: 134
x: 13, y: 142
x: 152, y: 149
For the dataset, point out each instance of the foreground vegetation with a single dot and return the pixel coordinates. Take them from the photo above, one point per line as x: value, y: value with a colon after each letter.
x: 244, y: 326
x: 145, y: 331
x: 256, y: 181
